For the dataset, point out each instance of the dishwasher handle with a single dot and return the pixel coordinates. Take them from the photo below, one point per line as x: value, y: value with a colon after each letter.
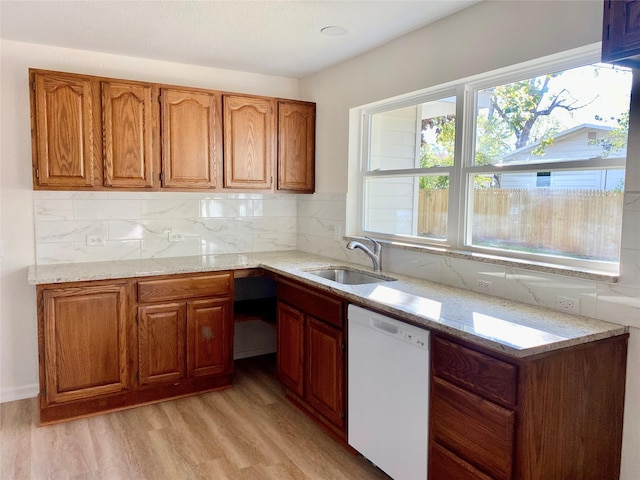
x: 384, y: 326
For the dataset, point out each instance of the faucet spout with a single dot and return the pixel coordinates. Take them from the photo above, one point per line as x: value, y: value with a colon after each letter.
x: 375, y: 255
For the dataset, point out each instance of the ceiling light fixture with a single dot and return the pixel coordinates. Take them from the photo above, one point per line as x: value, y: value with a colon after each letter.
x: 333, y: 30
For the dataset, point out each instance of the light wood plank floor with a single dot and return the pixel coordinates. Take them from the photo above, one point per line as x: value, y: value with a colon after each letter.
x: 247, y: 432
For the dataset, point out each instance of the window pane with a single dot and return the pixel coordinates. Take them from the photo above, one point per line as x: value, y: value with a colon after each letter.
x: 576, y: 114
x: 415, y: 206
x: 418, y: 136
x: 580, y: 222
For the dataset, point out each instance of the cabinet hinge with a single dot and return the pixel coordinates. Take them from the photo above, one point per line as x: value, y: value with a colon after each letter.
x: 33, y: 85
x: 37, y: 173
x: 41, y: 303
x: 159, y: 98
x: 342, y: 346
x: 160, y: 177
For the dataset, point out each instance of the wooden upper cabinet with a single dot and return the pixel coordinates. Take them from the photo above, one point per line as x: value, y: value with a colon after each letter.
x: 63, y: 112
x: 102, y: 133
x: 621, y: 32
x: 296, y: 146
x: 191, y: 138
x: 249, y: 142
x: 128, y: 125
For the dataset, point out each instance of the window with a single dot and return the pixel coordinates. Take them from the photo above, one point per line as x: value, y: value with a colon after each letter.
x: 526, y: 163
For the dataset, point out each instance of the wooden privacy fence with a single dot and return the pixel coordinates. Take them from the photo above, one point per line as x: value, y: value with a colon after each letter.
x: 582, y: 223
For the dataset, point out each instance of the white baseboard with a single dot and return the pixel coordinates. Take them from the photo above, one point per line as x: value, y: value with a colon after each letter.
x: 19, y: 393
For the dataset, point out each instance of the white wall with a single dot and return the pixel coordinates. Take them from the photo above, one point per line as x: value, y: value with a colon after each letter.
x: 485, y: 37
x: 18, y: 335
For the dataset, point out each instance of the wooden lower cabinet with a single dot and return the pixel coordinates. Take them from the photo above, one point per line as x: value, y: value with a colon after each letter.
x: 110, y: 345
x: 555, y: 415
x: 310, y: 358
x: 161, y: 343
x: 83, y: 341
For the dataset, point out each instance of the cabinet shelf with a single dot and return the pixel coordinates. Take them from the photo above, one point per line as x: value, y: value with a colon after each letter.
x: 255, y: 309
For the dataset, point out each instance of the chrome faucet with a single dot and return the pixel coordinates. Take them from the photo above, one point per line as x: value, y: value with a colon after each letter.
x: 376, y: 255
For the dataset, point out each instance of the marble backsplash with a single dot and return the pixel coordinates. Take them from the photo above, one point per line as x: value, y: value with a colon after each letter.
x: 149, y: 225
x: 102, y: 226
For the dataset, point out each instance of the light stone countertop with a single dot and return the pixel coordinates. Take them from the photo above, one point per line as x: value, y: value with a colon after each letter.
x: 510, y: 327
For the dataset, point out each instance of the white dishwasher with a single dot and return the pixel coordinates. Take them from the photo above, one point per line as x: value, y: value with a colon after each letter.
x: 388, y: 393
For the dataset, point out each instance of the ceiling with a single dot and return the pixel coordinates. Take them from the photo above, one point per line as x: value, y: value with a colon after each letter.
x: 270, y: 37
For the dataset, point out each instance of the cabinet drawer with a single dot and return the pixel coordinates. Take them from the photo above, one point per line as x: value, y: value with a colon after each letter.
x: 489, y: 377
x: 444, y: 465
x: 184, y: 287
x: 315, y: 304
x: 476, y: 430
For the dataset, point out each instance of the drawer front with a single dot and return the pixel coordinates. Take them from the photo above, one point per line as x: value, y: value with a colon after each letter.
x: 315, y: 304
x: 444, y: 465
x: 489, y: 377
x: 476, y: 430
x: 184, y: 287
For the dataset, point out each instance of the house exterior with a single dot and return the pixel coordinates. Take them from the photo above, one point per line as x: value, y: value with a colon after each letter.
x: 582, y: 142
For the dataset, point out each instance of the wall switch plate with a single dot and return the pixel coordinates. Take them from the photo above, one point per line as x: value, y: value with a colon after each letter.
x: 568, y: 304
x: 95, y: 241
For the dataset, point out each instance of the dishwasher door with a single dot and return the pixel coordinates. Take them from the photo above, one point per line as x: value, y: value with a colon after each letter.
x: 388, y: 393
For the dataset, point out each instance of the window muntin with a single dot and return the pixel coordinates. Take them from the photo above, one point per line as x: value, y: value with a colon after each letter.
x: 456, y: 159
x: 411, y: 153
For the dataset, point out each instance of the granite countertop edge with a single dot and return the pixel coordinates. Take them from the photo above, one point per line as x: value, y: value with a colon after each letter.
x: 509, y: 327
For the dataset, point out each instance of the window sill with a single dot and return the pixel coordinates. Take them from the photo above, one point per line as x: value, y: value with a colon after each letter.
x: 586, y: 274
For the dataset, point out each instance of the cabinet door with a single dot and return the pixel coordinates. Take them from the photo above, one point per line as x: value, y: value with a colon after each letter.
x: 249, y: 142
x: 324, y: 386
x: 290, y: 347
x: 161, y: 343
x: 209, y: 336
x: 128, y: 138
x: 63, y: 144
x: 296, y: 146
x: 621, y: 35
x: 191, y: 138
x: 84, y: 335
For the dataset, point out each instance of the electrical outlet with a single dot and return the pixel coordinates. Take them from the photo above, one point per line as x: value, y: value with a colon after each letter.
x: 568, y: 304
x: 95, y: 241
x: 485, y: 286
x: 176, y: 237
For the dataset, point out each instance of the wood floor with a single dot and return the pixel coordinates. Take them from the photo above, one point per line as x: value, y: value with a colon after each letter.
x: 247, y: 432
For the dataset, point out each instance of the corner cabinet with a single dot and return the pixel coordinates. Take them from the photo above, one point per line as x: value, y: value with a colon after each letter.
x: 310, y: 354
x: 554, y: 415
x: 296, y: 146
x: 621, y: 32
x: 109, y: 345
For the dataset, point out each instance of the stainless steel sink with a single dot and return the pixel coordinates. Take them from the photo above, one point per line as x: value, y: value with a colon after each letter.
x: 349, y: 276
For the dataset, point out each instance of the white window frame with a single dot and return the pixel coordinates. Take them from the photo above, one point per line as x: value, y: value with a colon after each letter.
x: 460, y: 186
